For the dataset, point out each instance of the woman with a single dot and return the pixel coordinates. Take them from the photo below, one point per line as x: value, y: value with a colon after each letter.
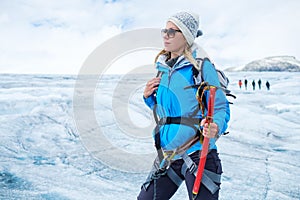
x: 168, y: 96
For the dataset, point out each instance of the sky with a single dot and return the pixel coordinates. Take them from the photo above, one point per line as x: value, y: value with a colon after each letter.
x: 56, y: 37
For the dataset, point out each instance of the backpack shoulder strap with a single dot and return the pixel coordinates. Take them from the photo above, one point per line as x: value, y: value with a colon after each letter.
x: 200, y: 56
x: 198, y: 73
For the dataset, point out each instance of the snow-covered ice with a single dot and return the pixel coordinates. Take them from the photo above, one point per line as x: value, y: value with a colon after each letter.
x: 44, y: 154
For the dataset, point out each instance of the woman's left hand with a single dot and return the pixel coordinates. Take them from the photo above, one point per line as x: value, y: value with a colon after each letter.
x: 210, y: 130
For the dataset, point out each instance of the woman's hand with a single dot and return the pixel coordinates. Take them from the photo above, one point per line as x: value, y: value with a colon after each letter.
x: 210, y: 130
x: 151, y: 86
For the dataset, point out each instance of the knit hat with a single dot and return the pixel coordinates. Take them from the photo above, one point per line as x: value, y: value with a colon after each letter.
x: 188, y: 23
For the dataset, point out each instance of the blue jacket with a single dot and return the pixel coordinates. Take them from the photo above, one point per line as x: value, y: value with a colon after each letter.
x: 174, y: 101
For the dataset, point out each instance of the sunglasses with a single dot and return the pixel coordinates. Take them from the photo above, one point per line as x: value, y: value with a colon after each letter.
x: 170, y: 32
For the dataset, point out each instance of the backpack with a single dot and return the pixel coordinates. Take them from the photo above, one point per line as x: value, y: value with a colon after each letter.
x: 201, y: 84
x: 198, y: 72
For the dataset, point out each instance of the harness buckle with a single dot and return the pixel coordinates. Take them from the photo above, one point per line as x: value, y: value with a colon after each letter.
x: 163, y: 121
x: 159, y: 173
x: 193, y: 168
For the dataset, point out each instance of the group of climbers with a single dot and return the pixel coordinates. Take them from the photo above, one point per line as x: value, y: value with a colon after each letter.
x: 240, y: 83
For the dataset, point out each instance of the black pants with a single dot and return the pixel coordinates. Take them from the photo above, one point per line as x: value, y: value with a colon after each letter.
x: 164, y: 188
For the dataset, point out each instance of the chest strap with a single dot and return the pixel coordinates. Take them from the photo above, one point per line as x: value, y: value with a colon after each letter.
x: 191, y: 122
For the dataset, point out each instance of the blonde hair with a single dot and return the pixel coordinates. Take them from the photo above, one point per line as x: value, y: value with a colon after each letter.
x: 187, y: 53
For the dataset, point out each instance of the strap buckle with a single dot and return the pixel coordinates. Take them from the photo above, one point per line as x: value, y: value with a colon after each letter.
x: 192, y: 168
x: 163, y: 121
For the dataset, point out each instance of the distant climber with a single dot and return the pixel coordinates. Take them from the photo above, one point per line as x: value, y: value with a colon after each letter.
x: 240, y: 84
x: 253, y: 84
x: 268, y: 85
x: 246, y: 83
x: 259, y: 84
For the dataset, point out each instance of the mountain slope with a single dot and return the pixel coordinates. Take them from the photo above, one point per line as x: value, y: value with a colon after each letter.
x: 274, y: 63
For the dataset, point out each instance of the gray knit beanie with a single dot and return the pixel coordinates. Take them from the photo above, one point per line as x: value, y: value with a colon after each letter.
x: 188, y: 23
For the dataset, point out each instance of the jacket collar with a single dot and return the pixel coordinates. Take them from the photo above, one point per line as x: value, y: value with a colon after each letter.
x: 162, y: 65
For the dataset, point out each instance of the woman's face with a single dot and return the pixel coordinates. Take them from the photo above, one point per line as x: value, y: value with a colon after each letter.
x: 176, y: 44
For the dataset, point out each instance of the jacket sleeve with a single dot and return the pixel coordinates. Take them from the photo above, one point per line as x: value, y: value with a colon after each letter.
x: 221, y: 110
x: 150, y: 101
